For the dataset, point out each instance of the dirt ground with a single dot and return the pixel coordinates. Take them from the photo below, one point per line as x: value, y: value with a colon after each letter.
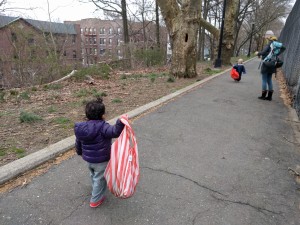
x: 36, y: 117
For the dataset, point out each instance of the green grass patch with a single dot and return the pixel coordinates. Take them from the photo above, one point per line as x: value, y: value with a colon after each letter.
x: 82, y: 93
x: 116, y: 100
x: 2, y: 94
x: 2, y: 152
x: 62, y: 120
x: 28, y: 117
x: 99, y: 94
x: 209, y: 71
x: 18, y: 151
x: 53, y: 86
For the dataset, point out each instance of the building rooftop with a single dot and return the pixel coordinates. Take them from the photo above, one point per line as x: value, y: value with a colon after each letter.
x: 44, y: 26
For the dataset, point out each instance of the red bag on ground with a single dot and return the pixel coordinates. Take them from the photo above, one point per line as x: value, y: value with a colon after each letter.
x: 122, y: 171
x: 234, y: 74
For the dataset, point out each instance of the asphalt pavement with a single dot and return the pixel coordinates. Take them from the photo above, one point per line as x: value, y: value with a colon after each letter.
x: 215, y: 155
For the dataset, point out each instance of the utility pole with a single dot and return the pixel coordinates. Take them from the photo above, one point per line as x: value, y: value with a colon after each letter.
x: 218, y: 61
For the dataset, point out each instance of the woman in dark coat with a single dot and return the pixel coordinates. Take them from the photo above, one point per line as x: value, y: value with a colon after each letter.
x: 266, y: 72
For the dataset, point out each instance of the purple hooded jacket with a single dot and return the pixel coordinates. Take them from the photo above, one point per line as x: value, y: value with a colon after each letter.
x: 93, y: 139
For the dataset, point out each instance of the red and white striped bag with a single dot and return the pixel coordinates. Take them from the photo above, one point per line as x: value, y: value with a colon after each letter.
x: 122, y: 172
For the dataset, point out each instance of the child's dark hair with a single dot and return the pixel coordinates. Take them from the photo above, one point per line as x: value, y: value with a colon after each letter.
x: 94, y: 110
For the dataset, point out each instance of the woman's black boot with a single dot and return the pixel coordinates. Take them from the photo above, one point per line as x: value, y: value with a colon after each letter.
x: 269, y: 96
x: 263, y: 95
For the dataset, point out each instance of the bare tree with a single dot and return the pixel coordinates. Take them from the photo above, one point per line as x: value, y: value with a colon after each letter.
x: 262, y: 14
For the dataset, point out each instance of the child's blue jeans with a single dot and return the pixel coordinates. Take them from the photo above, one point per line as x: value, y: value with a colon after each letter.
x: 267, y: 81
x: 98, y: 181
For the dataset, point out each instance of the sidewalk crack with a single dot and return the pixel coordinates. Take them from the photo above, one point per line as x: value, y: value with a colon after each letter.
x: 186, y: 178
x: 257, y: 208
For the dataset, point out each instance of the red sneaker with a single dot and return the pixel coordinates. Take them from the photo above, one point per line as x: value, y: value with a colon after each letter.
x: 96, y: 204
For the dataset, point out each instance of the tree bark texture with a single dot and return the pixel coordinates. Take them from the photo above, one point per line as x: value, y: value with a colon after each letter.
x: 229, y: 31
x: 182, y: 24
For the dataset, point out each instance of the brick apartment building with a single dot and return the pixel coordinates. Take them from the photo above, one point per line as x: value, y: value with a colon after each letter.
x: 32, y: 51
x: 28, y: 47
x: 103, y: 39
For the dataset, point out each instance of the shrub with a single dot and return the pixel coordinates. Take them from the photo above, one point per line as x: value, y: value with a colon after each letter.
x: 27, y: 117
x: 100, y: 71
x: 150, y: 57
x: 25, y: 95
x: 171, y: 79
x: 14, y: 92
x: 34, y: 89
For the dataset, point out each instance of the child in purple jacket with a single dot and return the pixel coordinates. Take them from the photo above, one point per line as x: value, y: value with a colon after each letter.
x: 93, y: 143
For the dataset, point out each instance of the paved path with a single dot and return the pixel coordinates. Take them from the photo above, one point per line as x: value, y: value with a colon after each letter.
x: 214, y: 156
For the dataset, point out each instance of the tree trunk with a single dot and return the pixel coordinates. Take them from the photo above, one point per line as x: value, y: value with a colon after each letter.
x: 184, y: 49
x: 182, y: 24
x: 157, y: 25
x: 127, y: 54
x: 229, y: 31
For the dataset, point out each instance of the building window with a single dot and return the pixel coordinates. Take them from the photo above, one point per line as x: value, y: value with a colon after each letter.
x: 86, y: 40
x: 86, y: 30
x: 102, y: 51
x: 91, y: 30
x: 81, y: 30
x: 102, y: 31
x: 82, y: 51
x: 119, y: 30
x: 91, y: 41
x: 94, y: 30
x: 91, y: 51
x: 95, y: 41
x: 102, y: 41
x: 95, y: 51
x: 65, y: 53
x: 109, y: 41
x: 73, y: 39
x: 110, y: 31
x: 119, y: 52
x: 118, y: 42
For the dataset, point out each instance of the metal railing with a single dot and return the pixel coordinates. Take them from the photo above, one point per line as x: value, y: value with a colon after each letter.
x: 290, y: 37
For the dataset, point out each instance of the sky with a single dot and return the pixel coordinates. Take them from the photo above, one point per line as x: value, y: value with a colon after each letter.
x: 61, y: 10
